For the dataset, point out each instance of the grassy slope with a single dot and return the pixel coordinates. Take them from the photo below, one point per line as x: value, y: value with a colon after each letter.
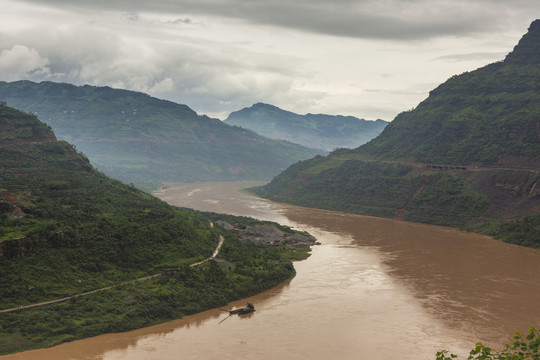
x: 427, y: 196
x: 376, y: 189
x: 82, y: 231
x: 477, y: 117
x: 486, y: 116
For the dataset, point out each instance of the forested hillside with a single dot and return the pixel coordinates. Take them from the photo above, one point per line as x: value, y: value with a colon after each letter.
x: 321, y: 131
x: 468, y: 156
x: 66, y: 228
x: 146, y: 141
x: 488, y: 116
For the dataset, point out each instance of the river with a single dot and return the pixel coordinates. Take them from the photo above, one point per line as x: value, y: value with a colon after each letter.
x: 374, y: 289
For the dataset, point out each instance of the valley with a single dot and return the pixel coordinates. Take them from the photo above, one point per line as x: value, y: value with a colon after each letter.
x: 129, y: 224
x: 146, y: 141
x: 371, y: 282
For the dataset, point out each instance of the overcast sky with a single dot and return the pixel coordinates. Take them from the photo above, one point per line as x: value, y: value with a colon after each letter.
x: 367, y: 58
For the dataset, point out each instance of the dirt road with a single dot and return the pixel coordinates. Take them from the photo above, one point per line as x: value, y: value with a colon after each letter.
x: 213, y: 256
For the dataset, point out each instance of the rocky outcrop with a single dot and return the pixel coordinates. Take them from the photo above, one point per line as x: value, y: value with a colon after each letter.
x: 268, y: 235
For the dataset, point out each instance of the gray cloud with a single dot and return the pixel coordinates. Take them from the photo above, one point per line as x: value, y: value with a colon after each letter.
x: 221, y: 55
x: 181, y: 21
x: 21, y: 61
x: 370, y: 19
x: 214, y: 78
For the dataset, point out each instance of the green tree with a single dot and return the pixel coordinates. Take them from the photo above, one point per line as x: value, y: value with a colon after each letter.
x: 523, y: 347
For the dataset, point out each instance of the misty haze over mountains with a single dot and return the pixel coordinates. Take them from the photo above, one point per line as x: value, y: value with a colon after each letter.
x: 146, y: 141
x: 320, y: 131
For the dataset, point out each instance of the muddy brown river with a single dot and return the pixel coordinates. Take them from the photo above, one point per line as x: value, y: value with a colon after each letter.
x: 374, y: 289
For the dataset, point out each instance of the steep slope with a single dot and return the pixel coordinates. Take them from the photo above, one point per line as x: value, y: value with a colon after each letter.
x: 467, y: 155
x: 66, y: 229
x: 321, y: 131
x: 487, y: 116
x: 146, y: 141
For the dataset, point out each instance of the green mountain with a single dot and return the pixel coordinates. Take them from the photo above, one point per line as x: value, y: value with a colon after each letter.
x: 321, y: 131
x: 468, y: 155
x: 66, y: 229
x: 142, y: 140
x: 487, y: 116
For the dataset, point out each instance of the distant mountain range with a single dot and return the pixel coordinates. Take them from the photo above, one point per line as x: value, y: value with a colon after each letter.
x: 468, y: 155
x: 146, y: 141
x: 321, y: 131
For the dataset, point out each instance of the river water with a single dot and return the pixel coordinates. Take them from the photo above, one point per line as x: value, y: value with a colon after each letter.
x: 374, y: 289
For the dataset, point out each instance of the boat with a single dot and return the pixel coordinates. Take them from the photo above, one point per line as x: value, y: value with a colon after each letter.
x: 242, y: 311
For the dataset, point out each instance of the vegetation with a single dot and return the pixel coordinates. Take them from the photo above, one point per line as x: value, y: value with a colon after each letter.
x: 321, y: 131
x: 525, y: 232
x: 446, y: 200
x: 483, y: 116
x: 378, y: 189
x: 522, y: 347
x: 142, y: 140
x: 143, y: 303
x: 65, y: 229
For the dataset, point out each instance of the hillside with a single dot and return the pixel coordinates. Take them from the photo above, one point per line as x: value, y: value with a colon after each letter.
x: 142, y: 140
x: 321, y: 131
x: 466, y: 156
x: 489, y: 116
x: 66, y: 228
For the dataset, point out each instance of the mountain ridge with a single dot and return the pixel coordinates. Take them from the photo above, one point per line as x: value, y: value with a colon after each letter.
x: 147, y: 141
x: 527, y: 50
x: 326, y: 132
x: 478, y: 117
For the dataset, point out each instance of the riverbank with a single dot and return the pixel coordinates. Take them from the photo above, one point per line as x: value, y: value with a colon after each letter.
x: 445, y: 268
x: 372, y: 282
x: 500, y: 202
x: 175, y: 293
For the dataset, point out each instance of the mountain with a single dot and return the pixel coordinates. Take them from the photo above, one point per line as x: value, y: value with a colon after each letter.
x: 468, y: 155
x: 66, y: 229
x: 487, y: 116
x: 146, y: 141
x: 321, y: 131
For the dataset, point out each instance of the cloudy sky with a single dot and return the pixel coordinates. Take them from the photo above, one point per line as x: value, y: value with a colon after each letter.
x: 367, y: 58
